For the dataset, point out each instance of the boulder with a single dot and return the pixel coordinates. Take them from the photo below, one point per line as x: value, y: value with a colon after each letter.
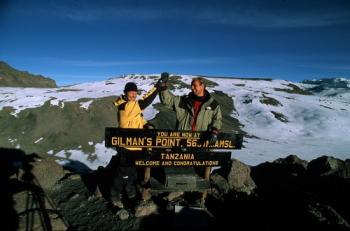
x: 172, y: 196
x: 292, y: 164
x: 329, y: 166
x: 122, y: 214
x: 237, y: 176
x: 145, y: 208
x: 47, y: 172
x: 219, y: 185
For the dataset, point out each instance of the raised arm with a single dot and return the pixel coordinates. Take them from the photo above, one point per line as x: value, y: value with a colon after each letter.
x: 148, y: 98
x: 166, y: 97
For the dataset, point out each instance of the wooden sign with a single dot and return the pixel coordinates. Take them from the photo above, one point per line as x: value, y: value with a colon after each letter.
x: 179, y: 159
x: 169, y: 139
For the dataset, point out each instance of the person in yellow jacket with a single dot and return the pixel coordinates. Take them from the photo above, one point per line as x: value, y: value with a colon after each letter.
x: 129, y: 116
x: 130, y: 109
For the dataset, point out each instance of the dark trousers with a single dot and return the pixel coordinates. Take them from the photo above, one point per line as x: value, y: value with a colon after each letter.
x: 124, y: 176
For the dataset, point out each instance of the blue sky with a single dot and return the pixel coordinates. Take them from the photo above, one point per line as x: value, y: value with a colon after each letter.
x: 75, y: 41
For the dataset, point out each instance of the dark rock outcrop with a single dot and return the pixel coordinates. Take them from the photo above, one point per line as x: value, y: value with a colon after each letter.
x: 329, y: 166
x: 286, y: 194
x: 297, y: 194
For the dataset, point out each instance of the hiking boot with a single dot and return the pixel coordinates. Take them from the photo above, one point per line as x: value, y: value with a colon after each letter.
x: 118, y: 204
x: 130, y: 190
x: 123, y: 214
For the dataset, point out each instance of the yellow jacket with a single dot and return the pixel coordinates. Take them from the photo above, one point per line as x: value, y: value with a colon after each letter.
x: 130, y: 112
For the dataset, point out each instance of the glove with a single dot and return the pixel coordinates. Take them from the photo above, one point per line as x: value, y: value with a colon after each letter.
x: 149, y: 126
x: 213, y: 138
x: 164, y: 77
x: 162, y: 83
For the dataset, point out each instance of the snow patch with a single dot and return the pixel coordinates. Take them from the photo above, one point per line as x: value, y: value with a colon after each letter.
x: 103, y: 156
x: 61, y: 153
x: 311, y: 130
x: 12, y: 140
x: 23, y: 98
x: 86, y: 105
x: 38, y: 140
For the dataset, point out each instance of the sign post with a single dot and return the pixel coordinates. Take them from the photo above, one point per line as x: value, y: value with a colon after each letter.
x: 152, y: 148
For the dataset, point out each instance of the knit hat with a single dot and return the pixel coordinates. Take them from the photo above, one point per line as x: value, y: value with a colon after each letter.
x: 130, y: 86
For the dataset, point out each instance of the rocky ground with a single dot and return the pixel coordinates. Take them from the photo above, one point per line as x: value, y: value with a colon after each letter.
x: 286, y: 194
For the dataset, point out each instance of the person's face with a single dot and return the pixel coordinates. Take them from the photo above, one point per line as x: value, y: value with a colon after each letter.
x: 198, y: 88
x: 131, y: 95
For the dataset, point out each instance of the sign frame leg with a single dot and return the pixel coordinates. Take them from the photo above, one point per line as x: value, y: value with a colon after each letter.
x: 146, y: 191
x: 207, y: 172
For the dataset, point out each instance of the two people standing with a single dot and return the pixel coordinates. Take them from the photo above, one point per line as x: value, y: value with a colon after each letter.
x: 197, y: 111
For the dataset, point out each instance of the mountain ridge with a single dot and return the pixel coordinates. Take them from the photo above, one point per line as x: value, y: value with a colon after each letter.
x: 10, y: 77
